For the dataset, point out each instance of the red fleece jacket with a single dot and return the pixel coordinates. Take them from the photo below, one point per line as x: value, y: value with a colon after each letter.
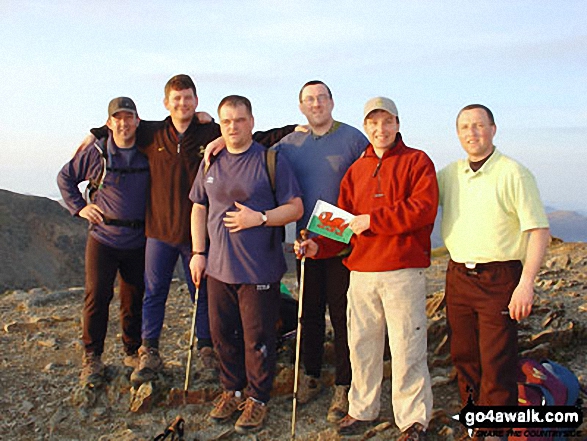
x: 400, y: 193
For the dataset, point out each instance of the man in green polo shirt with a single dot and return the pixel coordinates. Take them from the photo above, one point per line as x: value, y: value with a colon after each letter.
x: 496, y: 231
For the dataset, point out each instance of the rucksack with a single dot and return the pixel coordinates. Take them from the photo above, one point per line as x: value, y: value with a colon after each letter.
x: 271, y: 167
x: 546, y: 383
x: 95, y: 184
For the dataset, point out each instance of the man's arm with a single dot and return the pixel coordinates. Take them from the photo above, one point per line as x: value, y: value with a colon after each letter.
x: 198, y: 228
x: 266, y: 139
x: 85, y: 164
x: 521, y: 302
x: 272, y: 136
x: 245, y: 218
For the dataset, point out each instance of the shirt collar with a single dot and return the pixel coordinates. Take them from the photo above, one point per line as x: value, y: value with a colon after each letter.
x: 333, y: 128
x: 466, y: 169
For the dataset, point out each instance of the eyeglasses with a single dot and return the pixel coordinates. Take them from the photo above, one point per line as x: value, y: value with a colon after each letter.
x: 310, y: 100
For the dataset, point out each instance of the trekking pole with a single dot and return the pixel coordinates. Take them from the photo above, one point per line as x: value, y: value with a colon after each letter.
x: 298, y: 340
x: 191, y: 349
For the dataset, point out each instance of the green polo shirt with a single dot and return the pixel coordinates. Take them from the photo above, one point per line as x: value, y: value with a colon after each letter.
x: 485, y: 214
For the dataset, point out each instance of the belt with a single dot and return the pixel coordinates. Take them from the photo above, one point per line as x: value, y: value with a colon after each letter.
x: 475, y: 268
x: 131, y: 223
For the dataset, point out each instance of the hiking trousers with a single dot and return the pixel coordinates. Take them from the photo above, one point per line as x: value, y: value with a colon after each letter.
x: 326, y: 283
x: 396, y: 300
x: 160, y: 260
x: 243, y: 322
x: 483, y: 337
x: 102, y: 264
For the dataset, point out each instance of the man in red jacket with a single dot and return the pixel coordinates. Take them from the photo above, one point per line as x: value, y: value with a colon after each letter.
x: 393, y: 192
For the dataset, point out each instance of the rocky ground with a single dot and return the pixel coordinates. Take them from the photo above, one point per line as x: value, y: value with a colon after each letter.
x: 40, y: 357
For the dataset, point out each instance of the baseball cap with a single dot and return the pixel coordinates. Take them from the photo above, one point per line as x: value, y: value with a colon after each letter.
x: 380, y: 103
x: 121, y: 104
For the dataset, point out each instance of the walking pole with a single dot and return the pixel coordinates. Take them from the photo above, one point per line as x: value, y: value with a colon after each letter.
x: 191, y: 349
x: 298, y: 341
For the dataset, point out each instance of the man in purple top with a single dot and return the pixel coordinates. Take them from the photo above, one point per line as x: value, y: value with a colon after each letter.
x: 234, y: 201
x: 119, y: 175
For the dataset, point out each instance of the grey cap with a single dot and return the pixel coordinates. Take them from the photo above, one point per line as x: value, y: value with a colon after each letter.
x: 121, y: 104
x: 380, y: 103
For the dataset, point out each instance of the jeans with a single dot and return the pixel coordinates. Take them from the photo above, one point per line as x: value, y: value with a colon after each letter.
x: 160, y: 260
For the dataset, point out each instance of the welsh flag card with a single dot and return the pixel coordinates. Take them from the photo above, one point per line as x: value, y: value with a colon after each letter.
x: 330, y: 221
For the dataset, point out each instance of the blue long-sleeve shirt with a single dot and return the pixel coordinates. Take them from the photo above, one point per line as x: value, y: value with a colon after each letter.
x: 122, y: 195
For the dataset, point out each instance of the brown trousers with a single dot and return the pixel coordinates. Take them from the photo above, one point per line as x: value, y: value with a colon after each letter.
x: 102, y: 265
x: 483, y: 337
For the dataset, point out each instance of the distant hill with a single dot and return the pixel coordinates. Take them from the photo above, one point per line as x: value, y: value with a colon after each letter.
x: 41, y: 244
x: 569, y: 226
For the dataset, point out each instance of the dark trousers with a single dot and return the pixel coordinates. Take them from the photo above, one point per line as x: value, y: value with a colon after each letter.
x: 483, y: 337
x: 102, y: 264
x: 242, y: 324
x: 326, y: 282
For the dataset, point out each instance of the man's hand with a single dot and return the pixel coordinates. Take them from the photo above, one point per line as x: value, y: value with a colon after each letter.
x: 204, y: 117
x: 213, y: 148
x: 521, y: 302
x: 360, y: 223
x: 305, y: 248
x: 198, y: 268
x: 304, y: 128
x: 242, y: 219
x: 92, y: 213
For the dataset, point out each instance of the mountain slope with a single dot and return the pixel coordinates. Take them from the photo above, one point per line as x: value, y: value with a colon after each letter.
x: 41, y: 244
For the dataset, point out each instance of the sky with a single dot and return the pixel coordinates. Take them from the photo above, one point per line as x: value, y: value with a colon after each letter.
x: 62, y: 61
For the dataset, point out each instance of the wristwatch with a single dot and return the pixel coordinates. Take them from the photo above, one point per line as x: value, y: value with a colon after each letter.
x: 263, y: 218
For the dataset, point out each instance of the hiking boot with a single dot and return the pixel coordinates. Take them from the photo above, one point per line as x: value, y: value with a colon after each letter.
x: 225, y: 405
x: 209, y: 365
x: 352, y: 426
x: 131, y: 360
x: 416, y: 432
x: 92, y: 373
x: 251, y: 419
x: 308, y: 388
x: 339, y: 406
x: 150, y: 364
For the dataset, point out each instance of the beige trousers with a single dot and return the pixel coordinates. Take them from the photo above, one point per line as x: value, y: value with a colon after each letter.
x: 396, y: 299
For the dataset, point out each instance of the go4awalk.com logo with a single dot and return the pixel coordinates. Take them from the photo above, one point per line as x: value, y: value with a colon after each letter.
x: 545, y: 422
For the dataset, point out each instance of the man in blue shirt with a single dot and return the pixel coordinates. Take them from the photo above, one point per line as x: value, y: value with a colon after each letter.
x: 320, y: 158
x: 234, y: 201
x: 119, y: 174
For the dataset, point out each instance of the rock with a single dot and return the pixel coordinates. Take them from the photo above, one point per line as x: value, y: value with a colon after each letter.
x: 442, y: 347
x: 49, y: 343
x: 562, y: 261
x: 538, y: 352
x: 434, y: 303
x: 141, y: 398
x: 41, y: 298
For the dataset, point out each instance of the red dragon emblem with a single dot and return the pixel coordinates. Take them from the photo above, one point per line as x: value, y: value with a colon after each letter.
x: 336, y: 225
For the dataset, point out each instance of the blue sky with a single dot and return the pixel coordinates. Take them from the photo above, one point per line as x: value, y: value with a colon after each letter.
x: 62, y: 61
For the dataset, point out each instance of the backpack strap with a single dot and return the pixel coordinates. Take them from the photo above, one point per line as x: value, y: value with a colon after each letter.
x: 271, y: 164
x: 94, y: 184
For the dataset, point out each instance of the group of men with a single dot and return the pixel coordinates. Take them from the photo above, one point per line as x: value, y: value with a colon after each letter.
x: 224, y: 220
